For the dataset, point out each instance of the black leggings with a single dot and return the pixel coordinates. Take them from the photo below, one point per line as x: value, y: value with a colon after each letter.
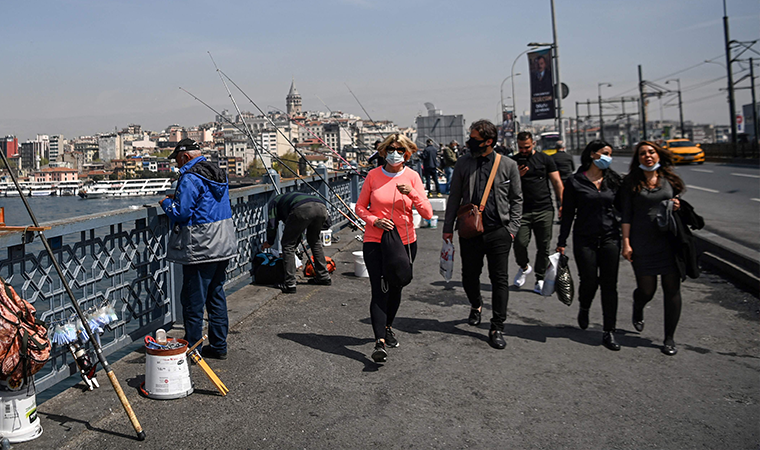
x: 598, y: 261
x: 646, y: 285
x: 384, y: 305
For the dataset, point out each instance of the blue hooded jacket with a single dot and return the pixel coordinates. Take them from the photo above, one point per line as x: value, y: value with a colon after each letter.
x: 201, y: 216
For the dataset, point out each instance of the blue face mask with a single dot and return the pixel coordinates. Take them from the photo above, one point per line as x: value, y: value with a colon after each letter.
x: 603, y: 162
x: 649, y: 169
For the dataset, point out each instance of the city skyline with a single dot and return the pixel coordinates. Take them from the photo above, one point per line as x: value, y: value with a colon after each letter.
x: 86, y: 67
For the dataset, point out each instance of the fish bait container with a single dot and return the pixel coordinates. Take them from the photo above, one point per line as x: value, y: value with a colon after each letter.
x: 167, y: 373
x: 326, y: 237
x: 438, y: 204
x: 18, y: 417
x: 360, y: 268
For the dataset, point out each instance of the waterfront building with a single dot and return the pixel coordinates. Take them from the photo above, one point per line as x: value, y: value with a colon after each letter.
x: 9, y: 144
x: 54, y: 175
x: 56, y: 147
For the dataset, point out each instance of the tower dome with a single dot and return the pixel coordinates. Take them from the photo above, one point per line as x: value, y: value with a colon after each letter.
x: 293, y: 100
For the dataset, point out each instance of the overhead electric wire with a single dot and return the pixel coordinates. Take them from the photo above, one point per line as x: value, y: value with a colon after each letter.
x: 278, y: 159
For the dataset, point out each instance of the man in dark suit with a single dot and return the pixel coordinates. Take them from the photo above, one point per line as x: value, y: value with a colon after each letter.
x: 542, y: 77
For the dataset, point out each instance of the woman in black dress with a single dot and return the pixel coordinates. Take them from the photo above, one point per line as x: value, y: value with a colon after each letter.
x: 650, y: 180
x: 588, y: 201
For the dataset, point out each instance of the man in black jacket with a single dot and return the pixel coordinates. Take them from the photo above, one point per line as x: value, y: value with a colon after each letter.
x: 430, y: 165
x: 501, y: 220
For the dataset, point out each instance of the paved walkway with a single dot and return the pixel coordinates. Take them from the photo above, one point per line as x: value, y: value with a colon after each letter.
x: 300, y: 376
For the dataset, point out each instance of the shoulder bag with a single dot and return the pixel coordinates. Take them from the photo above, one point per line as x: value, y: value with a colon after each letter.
x: 470, y: 216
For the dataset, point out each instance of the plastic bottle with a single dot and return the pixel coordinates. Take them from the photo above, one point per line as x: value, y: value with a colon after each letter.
x: 161, y: 336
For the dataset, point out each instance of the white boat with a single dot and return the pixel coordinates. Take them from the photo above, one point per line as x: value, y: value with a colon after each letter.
x: 40, y: 189
x: 67, y: 188
x: 8, y: 189
x: 126, y: 188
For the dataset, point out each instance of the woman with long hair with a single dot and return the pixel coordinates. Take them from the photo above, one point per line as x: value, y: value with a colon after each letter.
x: 650, y: 180
x: 588, y: 200
x: 385, y: 203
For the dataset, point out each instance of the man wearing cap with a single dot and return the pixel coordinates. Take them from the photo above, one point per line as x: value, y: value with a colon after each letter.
x: 202, y: 239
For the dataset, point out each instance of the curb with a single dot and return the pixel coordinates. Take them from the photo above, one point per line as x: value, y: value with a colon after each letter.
x: 733, y: 261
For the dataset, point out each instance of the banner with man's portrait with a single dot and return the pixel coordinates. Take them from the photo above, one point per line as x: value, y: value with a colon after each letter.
x: 541, y: 85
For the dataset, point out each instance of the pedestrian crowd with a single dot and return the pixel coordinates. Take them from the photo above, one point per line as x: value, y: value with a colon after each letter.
x: 495, y: 202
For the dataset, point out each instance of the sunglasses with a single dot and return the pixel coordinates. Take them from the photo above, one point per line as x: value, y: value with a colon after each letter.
x: 400, y: 150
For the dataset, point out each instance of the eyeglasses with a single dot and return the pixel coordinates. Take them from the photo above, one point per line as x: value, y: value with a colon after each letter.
x: 399, y: 150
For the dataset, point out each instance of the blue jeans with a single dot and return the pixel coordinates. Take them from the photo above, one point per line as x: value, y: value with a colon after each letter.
x: 448, y: 171
x: 203, y: 286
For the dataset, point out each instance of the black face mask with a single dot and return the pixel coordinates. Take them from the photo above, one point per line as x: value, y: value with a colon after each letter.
x: 474, y: 146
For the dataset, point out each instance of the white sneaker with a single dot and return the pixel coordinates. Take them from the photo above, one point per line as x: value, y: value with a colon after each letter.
x: 538, y: 287
x: 521, y: 275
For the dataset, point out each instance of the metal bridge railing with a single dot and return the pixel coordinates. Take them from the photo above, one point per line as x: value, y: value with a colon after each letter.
x: 120, y: 257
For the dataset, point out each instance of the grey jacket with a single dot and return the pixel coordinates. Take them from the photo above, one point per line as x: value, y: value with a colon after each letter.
x: 506, y: 189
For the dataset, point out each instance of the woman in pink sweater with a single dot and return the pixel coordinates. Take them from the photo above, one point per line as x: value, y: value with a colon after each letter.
x: 385, y: 202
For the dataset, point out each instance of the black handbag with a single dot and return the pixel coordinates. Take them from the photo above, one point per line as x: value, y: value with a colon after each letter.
x: 397, y: 261
x: 563, y: 282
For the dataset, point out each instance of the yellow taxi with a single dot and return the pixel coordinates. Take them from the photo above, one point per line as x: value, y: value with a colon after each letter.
x: 684, y: 151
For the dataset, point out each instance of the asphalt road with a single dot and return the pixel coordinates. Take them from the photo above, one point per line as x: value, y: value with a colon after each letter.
x: 300, y: 377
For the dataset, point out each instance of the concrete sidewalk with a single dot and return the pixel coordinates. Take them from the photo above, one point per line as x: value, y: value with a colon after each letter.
x: 300, y: 376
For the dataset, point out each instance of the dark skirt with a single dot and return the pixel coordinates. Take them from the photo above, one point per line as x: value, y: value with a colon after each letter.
x: 661, y: 262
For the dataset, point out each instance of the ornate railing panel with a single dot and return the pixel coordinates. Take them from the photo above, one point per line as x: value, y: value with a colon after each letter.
x: 119, y: 257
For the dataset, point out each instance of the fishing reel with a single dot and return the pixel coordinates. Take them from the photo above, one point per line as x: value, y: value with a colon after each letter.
x: 86, y: 364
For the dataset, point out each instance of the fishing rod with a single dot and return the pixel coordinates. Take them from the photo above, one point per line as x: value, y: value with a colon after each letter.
x: 85, y: 323
x: 353, y: 143
x: 365, y: 111
x: 261, y: 157
x: 291, y: 144
x: 277, y: 158
x: 320, y: 139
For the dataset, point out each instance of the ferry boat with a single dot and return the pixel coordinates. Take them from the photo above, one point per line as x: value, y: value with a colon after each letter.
x: 8, y: 189
x: 67, y: 188
x: 40, y: 189
x: 126, y: 188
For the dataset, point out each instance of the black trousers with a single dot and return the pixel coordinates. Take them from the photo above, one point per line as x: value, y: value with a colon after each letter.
x: 494, y: 246
x: 384, y: 305
x: 598, y: 260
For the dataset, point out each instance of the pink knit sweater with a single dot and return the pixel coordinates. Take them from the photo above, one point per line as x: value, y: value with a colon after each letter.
x: 377, y: 198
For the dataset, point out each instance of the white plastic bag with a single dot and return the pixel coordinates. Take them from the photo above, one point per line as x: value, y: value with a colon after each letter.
x: 447, y: 260
x: 551, y: 274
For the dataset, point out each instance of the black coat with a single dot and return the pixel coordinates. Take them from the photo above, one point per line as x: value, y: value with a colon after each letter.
x: 683, y: 245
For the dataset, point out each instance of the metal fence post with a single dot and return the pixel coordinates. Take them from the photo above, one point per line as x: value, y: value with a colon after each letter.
x: 354, y: 187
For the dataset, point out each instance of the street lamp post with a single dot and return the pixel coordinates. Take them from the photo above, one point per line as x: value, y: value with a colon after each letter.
x: 601, y: 119
x: 680, y: 105
x: 501, y: 90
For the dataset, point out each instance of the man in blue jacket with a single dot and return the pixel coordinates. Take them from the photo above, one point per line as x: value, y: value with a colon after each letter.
x: 202, y: 239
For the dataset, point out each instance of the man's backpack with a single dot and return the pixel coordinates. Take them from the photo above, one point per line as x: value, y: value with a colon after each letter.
x: 24, y: 343
x: 268, y: 270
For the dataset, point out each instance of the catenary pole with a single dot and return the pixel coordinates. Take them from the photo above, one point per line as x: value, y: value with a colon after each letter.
x: 729, y: 73
x: 643, y: 106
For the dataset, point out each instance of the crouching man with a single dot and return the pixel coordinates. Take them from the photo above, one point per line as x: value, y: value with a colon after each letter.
x: 299, y: 212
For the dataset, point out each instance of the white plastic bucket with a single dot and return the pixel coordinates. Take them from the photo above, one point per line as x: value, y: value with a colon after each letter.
x: 416, y: 219
x: 438, y: 204
x: 326, y: 237
x: 433, y: 222
x: 167, y: 373
x: 18, y: 416
x: 360, y: 269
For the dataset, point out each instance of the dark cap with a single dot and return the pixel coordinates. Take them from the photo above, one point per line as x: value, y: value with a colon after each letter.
x: 185, y: 145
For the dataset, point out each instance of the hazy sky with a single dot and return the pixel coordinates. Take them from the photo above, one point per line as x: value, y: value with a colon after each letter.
x: 83, y: 67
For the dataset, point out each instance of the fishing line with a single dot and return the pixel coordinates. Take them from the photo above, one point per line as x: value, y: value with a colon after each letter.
x: 353, y: 143
x: 291, y: 144
x: 277, y: 158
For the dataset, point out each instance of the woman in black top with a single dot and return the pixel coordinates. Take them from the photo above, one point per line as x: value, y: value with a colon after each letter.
x: 588, y: 200
x: 651, y: 180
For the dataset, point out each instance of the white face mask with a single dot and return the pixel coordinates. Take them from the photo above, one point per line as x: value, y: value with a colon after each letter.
x: 394, y: 158
x: 649, y: 169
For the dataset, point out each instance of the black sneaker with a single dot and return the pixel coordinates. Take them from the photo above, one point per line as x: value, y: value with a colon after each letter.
x: 379, y: 355
x: 318, y: 282
x: 287, y: 289
x: 390, y: 338
x: 208, y: 352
